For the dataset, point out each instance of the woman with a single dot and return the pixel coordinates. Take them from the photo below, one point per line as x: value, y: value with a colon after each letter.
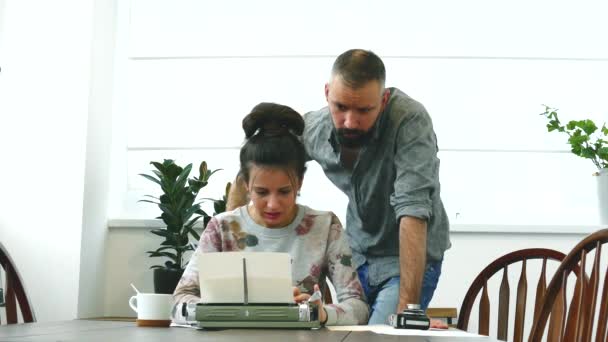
x: 273, y: 165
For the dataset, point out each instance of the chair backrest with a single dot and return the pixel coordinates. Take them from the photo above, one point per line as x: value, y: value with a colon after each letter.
x: 579, y: 324
x: 480, y: 285
x: 327, y: 296
x: 14, y: 292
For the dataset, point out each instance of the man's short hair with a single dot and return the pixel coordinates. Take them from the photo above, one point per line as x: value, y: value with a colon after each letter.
x: 357, y: 67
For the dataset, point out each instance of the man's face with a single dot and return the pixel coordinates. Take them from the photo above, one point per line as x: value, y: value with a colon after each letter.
x: 354, y: 110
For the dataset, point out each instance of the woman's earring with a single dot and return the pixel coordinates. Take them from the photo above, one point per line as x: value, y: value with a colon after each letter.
x: 298, y: 193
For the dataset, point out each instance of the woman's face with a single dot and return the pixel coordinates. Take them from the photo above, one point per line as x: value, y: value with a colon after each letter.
x: 273, y: 194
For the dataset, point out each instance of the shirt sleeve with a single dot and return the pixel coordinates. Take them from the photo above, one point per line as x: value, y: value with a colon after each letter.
x: 351, y: 307
x: 416, y: 166
x: 188, y: 288
x: 307, y: 137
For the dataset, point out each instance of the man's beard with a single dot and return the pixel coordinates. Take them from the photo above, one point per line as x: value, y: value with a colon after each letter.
x: 357, y: 138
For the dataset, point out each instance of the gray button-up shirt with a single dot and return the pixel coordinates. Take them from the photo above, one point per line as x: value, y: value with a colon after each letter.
x: 395, y: 175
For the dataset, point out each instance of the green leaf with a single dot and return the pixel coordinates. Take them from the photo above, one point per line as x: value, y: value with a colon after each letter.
x: 164, y: 248
x: 148, y: 201
x: 588, y: 152
x: 171, y: 220
x: 588, y: 127
x: 603, y: 153
x: 183, y: 177
x: 166, y: 209
x: 188, y: 212
x: 148, y: 177
x: 160, y: 167
x: 219, y: 206
x: 173, y: 171
x: 194, y: 234
x: 191, y: 223
x: 174, y: 228
x: 202, y: 169
x: 572, y: 125
x: 161, y: 232
x: 165, y: 254
x: 208, y: 175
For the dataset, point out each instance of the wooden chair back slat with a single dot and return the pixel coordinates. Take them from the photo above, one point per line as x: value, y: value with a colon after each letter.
x: 581, y: 299
x: 484, y: 312
x: 520, y: 304
x: 602, y: 320
x: 540, y: 288
x: 327, y: 299
x: 503, y: 306
x: 580, y: 319
x: 10, y: 300
x: 562, y: 322
x: 591, y: 297
x: 555, y: 328
x: 570, y: 333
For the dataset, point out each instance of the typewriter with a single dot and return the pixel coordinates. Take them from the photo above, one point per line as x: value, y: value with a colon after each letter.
x: 248, y: 290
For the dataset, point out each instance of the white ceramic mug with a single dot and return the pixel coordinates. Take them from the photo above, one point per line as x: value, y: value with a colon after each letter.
x: 153, y: 309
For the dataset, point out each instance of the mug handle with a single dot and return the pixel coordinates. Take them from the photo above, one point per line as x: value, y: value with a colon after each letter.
x: 132, y: 303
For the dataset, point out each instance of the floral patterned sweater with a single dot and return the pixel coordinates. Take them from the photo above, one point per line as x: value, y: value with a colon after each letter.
x: 318, y: 247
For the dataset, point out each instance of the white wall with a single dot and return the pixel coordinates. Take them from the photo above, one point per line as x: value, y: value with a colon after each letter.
x: 44, y: 91
x: 98, y: 160
x: 197, y: 67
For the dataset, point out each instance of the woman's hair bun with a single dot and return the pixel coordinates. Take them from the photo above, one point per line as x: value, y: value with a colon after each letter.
x: 273, y: 119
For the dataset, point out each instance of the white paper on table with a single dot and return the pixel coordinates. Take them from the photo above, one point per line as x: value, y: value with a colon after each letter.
x: 180, y: 325
x: 389, y: 330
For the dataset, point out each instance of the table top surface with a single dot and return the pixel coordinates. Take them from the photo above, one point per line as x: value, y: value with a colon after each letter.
x: 93, y: 331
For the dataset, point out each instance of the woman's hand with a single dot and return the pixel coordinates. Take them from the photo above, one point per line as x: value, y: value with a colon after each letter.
x: 299, y: 297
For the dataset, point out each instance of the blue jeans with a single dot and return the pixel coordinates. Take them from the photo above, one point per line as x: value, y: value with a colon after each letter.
x: 383, y: 299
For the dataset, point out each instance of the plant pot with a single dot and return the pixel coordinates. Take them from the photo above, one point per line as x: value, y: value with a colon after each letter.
x: 166, y: 279
x: 602, y: 195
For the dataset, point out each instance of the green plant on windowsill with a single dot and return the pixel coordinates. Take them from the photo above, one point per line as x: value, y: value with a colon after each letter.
x: 583, y: 136
x: 180, y: 213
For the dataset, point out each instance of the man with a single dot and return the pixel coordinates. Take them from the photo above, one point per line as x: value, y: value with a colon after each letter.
x: 378, y: 146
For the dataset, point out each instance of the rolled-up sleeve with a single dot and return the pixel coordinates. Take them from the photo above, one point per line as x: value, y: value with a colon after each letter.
x: 416, y: 167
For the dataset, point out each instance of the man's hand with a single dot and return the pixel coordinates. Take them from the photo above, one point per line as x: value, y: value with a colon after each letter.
x: 238, y: 196
x: 412, y: 260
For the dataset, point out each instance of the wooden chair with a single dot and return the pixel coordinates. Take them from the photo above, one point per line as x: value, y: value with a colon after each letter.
x: 578, y: 326
x: 480, y: 284
x: 327, y: 297
x: 14, y: 292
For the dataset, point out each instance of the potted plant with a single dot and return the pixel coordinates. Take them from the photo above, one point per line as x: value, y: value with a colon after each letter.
x: 587, y: 141
x: 180, y: 213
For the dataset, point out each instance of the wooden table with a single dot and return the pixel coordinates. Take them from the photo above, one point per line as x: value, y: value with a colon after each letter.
x: 113, y: 331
